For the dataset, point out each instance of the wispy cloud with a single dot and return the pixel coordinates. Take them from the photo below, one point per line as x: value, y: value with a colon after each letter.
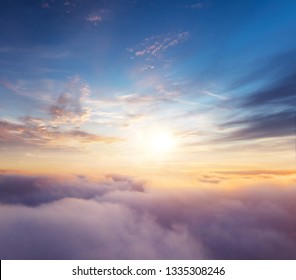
x: 277, y: 75
x: 67, y: 4
x: 59, y: 122
x: 259, y: 126
x: 34, y: 132
x: 69, y: 107
x: 155, y: 46
x: 152, y: 49
x: 45, y: 4
x: 98, y: 17
x: 148, y: 98
x: 194, y: 6
x: 258, y: 172
x: 215, y: 95
x: 15, y: 88
x: 94, y: 19
x: 37, y: 133
x: 268, y: 111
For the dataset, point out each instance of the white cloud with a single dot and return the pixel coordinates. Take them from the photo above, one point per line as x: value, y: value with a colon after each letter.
x: 215, y: 95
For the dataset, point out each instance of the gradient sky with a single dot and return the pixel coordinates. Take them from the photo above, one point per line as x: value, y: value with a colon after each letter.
x: 86, y: 86
x: 136, y: 129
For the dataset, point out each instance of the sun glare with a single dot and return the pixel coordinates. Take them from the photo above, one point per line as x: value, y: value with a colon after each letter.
x: 162, y: 142
x: 153, y: 144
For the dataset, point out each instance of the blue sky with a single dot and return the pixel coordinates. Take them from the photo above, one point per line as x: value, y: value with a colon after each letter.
x: 217, y: 76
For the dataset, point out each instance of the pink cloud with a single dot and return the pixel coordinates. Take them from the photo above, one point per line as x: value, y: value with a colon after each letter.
x: 94, y: 19
x: 153, y: 49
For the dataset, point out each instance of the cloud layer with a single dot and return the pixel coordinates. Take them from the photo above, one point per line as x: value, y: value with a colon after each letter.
x: 119, y: 218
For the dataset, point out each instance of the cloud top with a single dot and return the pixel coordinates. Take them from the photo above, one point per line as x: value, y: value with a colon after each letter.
x: 120, y: 218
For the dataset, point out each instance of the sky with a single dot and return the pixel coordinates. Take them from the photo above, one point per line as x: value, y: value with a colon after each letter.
x: 91, y: 85
x: 116, y: 106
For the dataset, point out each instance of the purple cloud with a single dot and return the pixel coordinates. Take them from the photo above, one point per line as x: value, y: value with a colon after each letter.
x: 120, y: 218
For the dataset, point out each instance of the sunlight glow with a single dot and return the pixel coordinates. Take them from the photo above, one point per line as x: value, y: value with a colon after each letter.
x: 162, y: 142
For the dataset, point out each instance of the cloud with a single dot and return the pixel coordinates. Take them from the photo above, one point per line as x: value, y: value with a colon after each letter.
x: 97, y: 17
x: 89, y: 137
x: 10, y: 132
x: 117, y: 217
x: 221, y: 97
x: 148, y: 99
x: 147, y: 67
x: 94, y: 19
x: 59, y: 125
x: 65, y: 5
x: 152, y: 49
x: 281, y: 92
x: 35, y: 191
x: 45, y: 5
x: 195, y: 6
x: 259, y: 172
x: 266, y: 125
x: 68, y: 107
x: 13, y: 88
x: 35, y: 133
x: 269, y: 110
x: 279, y: 75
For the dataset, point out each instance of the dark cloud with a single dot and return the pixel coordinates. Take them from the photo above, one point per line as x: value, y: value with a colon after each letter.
x: 282, y: 91
x: 269, y: 111
x: 278, y: 74
x: 118, y: 218
x: 268, y: 125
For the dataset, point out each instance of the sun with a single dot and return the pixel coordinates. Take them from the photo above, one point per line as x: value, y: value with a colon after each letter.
x: 152, y: 144
x: 162, y: 142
